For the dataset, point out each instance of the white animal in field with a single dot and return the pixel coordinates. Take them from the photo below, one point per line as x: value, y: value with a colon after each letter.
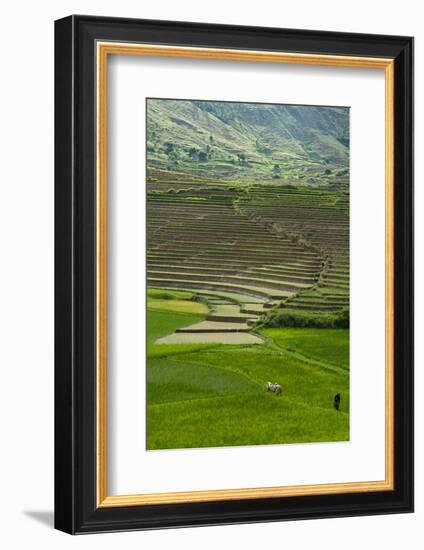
x: 275, y: 388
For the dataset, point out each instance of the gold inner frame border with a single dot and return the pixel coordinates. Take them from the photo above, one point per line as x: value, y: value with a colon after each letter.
x: 103, y: 50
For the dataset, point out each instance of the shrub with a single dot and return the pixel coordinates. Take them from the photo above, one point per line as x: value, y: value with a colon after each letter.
x: 283, y: 317
x: 276, y: 170
x: 168, y: 147
x: 164, y: 294
x: 343, y: 319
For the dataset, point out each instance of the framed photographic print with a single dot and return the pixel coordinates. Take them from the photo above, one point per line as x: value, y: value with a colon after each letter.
x: 234, y: 274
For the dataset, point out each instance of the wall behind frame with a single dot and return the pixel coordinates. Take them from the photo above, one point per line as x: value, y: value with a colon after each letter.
x: 26, y: 274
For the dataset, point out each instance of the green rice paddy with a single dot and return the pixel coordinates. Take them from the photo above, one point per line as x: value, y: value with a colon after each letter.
x: 247, y: 240
x: 214, y: 395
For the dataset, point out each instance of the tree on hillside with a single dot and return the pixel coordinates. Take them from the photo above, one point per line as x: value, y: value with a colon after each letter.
x: 193, y: 153
x: 241, y: 158
x: 168, y: 147
x: 202, y: 156
x: 262, y: 148
x: 276, y: 170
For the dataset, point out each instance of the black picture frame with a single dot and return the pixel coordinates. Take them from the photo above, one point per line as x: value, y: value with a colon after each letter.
x: 76, y: 510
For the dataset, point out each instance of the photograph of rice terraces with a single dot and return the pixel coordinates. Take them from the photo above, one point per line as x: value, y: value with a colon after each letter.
x: 247, y: 274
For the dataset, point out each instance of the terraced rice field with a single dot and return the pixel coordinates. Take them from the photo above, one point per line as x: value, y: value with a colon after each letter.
x: 318, y: 220
x: 266, y: 244
x: 247, y: 240
x: 219, y: 257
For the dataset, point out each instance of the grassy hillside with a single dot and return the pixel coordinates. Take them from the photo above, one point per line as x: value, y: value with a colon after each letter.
x: 248, y: 141
x: 279, y: 244
x: 247, y: 240
x: 209, y: 396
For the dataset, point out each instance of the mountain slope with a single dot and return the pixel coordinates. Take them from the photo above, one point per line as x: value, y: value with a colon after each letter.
x: 248, y: 141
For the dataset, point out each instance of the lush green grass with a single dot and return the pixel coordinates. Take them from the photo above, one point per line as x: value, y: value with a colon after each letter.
x: 178, y: 306
x: 165, y: 294
x: 330, y: 346
x: 209, y: 395
x: 232, y: 296
x: 171, y: 380
x: 160, y: 323
x: 242, y: 419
